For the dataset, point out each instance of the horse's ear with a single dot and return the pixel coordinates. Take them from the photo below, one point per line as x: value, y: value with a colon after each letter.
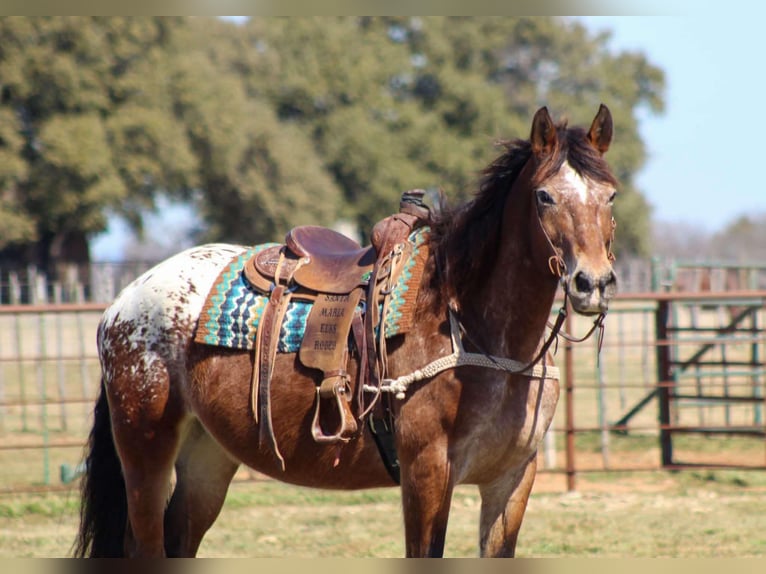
x: 543, y: 137
x: 600, y: 134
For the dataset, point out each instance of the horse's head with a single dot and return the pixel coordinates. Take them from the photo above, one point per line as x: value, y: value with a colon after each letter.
x: 571, y: 206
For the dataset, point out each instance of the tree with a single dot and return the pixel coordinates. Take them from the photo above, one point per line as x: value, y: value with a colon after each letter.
x: 742, y: 240
x: 105, y: 114
x: 394, y: 103
x: 679, y: 239
x: 66, y: 84
x: 285, y: 121
x: 258, y: 176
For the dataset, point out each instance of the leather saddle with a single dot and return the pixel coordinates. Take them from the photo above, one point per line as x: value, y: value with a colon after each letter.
x: 348, y: 286
x: 317, y: 259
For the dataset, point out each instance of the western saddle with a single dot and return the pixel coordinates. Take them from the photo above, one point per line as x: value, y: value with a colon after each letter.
x: 349, y: 287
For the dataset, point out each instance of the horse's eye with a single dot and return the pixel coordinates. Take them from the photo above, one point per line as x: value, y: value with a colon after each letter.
x: 545, y: 198
x: 611, y: 198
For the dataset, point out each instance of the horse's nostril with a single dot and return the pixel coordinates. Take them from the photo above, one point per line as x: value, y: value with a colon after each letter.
x: 583, y: 283
x: 607, y: 280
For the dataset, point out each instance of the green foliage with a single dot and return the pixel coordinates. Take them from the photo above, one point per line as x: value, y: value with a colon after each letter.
x: 287, y: 121
x: 396, y: 103
x: 64, y: 80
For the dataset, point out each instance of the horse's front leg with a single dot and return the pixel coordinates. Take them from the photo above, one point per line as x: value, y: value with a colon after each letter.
x: 503, y: 503
x: 427, y: 488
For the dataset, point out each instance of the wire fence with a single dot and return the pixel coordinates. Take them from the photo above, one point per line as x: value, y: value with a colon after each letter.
x: 616, y: 407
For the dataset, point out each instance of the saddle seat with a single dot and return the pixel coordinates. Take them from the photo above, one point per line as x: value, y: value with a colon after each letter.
x: 334, y: 263
x: 317, y: 259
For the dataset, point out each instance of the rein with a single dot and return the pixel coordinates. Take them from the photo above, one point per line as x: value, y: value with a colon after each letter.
x: 598, y: 323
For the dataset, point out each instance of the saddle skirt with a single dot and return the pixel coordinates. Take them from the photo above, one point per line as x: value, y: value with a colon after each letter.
x: 235, y: 304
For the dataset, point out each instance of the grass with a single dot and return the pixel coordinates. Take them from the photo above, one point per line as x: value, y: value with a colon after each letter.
x: 49, y: 505
x: 694, y: 514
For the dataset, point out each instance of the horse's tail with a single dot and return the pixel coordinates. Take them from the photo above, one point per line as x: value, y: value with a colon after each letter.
x: 104, y: 508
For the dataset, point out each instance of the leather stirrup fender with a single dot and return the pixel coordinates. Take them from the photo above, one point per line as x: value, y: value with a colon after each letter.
x: 268, y: 339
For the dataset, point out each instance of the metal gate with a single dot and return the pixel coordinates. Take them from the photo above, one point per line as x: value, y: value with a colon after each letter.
x: 710, y: 372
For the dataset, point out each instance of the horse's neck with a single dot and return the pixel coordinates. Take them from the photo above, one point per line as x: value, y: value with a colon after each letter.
x: 510, y: 313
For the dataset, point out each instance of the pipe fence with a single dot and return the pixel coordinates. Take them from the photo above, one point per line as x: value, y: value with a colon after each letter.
x: 678, y: 384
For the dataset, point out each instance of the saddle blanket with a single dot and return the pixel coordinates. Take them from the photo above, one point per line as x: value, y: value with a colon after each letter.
x: 233, y: 308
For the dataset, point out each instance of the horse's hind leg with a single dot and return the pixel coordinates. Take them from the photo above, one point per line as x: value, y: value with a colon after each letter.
x: 147, y: 413
x: 147, y: 456
x: 203, y: 474
x: 503, y: 503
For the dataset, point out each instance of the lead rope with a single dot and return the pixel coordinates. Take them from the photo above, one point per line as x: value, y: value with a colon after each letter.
x: 460, y: 357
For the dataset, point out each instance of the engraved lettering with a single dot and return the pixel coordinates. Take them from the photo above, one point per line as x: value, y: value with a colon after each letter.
x: 336, y: 312
x: 329, y: 328
x: 324, y: 345
x: 337, y: 298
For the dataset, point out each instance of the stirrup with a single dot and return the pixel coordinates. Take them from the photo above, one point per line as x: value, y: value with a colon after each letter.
x: 336, y: 386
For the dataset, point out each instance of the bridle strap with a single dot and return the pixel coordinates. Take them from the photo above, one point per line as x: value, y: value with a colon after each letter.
x: 609, y: 253
x: 556, y: 264
x: 555, y: 329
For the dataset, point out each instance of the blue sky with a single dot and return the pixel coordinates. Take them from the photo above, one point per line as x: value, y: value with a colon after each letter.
x: 705, y: 150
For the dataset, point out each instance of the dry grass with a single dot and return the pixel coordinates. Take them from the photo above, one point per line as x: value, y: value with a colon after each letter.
x: 697, y: 514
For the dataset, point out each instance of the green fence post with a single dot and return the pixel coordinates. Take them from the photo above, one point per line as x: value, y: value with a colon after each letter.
x: 22, y: 382
x: 42, y: 385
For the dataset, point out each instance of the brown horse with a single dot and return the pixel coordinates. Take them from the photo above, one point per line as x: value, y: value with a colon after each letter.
x: 541, y: 217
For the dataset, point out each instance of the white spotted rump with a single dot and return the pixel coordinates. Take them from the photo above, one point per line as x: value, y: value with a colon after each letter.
x: 154, y: 316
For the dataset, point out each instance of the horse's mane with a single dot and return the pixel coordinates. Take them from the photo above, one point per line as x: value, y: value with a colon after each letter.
x: 464, y: 239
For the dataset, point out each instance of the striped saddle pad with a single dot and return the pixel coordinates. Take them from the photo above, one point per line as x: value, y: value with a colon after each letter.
x: 233, y: 308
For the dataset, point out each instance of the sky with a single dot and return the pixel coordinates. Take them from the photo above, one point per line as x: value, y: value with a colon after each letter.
x: 704, y: 151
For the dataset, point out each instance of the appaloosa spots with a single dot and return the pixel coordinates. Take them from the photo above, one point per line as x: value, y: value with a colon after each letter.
x: 152, y: 318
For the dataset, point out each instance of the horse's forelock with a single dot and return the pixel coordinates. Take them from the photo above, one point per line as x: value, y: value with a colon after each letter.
x: 583, y: 157
x: 572, y: 146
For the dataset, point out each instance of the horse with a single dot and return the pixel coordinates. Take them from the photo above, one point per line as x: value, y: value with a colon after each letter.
x: 540, y: 217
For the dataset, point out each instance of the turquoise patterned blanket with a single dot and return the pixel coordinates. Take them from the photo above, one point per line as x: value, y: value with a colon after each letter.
x: 233, y: 308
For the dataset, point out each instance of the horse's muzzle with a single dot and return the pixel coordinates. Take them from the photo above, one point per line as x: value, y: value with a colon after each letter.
x: 590, y: 294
